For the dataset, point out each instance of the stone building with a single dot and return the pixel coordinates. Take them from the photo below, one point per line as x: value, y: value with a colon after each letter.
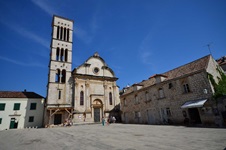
x: 181, y: 95
x: 222, y: 62
x: 20, y: 110
x: 87, y: 93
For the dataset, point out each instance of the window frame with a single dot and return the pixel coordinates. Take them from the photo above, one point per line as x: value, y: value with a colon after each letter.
x: 81, y: 98
x: 2, y: 106
x: 161, y: 93
x: 32, y: 105
x: 31, y: 119
x: 110, y: 99
x: 16, y: 106
x: 186, y: 88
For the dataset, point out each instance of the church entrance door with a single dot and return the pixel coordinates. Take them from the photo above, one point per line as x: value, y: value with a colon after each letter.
x: 96, y: 114
x: 57, y: 119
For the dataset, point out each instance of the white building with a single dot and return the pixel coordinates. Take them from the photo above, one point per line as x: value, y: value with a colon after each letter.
x: 20, y: 110
x: 87, y: 93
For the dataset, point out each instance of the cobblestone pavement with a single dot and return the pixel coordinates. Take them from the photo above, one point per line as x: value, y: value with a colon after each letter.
x: 114, y: 137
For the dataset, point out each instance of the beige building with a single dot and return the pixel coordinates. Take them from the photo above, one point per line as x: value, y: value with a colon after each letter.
x: 87, y: 93
x: 181, y: 95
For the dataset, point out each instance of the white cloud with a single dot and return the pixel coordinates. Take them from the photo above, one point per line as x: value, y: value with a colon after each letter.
x: 27, y: 34
x: 145, y: 49
x: 146, y: 57
x: 83, y: 35
x: 30, y: 64
x: 44, y: 6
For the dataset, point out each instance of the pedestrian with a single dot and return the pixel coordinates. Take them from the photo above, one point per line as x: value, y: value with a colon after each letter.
x: 113, y: 119
x: 103, y: 121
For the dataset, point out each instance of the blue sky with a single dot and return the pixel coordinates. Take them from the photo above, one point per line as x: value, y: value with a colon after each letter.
x: 136, y: 38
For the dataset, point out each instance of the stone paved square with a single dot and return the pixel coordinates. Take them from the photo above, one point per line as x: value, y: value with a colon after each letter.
x: 116, y: 137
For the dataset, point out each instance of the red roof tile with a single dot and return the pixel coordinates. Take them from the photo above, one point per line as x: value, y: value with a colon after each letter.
x: 16, y: 94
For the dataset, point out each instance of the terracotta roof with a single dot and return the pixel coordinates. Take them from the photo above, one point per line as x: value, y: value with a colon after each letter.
x: 16, y: 94
x: 158, y: 75
x: 222, y: 60
x: 191, y: 67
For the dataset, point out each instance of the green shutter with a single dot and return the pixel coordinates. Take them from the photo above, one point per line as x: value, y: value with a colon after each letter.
x: 2, y: 106
x: 16, y: 106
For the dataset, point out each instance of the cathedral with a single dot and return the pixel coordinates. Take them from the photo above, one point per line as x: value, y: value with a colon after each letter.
x: 84, y: 94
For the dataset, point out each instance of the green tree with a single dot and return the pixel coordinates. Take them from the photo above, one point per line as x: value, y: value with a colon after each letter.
x: 220, y: 88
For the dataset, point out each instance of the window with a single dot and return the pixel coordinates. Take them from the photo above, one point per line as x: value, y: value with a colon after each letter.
x: 136, y: 99
x: 66, y: 55
x: 62, y: 55
x: 170, y: 85
x: 67, y: 34
x: 137, y: 114
x: 57, y: 54
x: 186, y: 88
x: 0, y: 120
x: 2, y: 106
x: 110, y: 98
x: 31, y: 119
x: 63, y: 76
x: 58, y: 32
x: 81, y: 98
x: 57, y: 77
x: 59, y: 94
x: 16, y: 106
x: 33, y: 106
x: 168, y: 112
x: 95, y: 70
x: 61, y: 33
x: 124, y: 102
x: 161, y: 93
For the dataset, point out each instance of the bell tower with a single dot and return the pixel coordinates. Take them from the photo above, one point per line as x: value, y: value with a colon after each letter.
x: 59, y: 94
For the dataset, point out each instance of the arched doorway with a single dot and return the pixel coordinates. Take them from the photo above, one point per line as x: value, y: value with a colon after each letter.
x: 97, y: 110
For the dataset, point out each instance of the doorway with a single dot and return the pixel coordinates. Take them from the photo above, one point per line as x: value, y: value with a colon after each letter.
x: 194, y: 115
x: 151, y: 118
x: 13, y: 123
x: 96, y: 114
x: 57, y: 119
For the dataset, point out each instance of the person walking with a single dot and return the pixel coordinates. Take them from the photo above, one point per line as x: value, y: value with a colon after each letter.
x: 103, y: 121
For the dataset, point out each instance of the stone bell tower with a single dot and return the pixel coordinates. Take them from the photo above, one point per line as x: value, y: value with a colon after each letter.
x: 59, y: 88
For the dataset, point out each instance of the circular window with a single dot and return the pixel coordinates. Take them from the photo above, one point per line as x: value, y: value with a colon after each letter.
x: 96, y: 70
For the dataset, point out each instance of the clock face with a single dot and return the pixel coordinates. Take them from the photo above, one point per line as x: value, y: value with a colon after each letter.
x: 96, y: 70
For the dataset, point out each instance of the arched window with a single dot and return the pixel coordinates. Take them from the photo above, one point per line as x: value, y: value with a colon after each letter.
x: 81, y: 98
x: 57, y: 77
x: 57, y: 54
x: 66, y: 55
x: 58, y: 32
x: 68, y: 34
x: 65, y: 34
x: 62, y: 55
x: 110, y: 98
x: 63, y: 76
x: 61, y: 33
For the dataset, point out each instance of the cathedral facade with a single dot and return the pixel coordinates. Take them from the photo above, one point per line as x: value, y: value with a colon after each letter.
x: 87, y: 93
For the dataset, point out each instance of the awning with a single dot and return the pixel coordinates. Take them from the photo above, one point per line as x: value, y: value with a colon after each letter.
x: 194, y: 104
